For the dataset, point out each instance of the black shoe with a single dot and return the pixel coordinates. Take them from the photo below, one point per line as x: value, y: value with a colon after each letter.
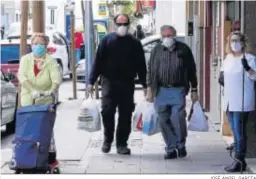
x: 123, y: 150
x: 106, y: 147
x: 182, y: 152
x: 230, y: 147
x: 236, y: 166
x: 171, y: 155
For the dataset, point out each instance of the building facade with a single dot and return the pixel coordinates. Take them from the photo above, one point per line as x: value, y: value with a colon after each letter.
x: 170, y: 13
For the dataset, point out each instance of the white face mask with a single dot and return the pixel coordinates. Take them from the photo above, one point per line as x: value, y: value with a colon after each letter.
x: 122, y: 31
x: 168, y: 42
x: 236, y: 46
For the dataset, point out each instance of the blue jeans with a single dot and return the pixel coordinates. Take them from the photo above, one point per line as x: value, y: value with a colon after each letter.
x: 170, y: 105
x: 238, y: 127
x: 78, y: 54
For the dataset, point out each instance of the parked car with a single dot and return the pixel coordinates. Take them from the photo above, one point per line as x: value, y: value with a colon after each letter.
x: 148, y: 44
x: 59, y: 49
x: 9, y: 101
x: 80, y: 71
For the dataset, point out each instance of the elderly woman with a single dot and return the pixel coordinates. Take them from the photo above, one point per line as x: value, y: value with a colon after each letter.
x: 238, y: 80
x: 39, y: 74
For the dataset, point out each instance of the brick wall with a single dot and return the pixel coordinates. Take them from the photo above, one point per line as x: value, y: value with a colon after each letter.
x: 250, y: 30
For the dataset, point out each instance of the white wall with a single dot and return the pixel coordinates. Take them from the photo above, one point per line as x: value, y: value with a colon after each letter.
x: 59, y: 15
x: 171, y: 13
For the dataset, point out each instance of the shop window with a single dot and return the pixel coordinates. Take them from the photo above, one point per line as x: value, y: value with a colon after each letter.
x: 233, y: 10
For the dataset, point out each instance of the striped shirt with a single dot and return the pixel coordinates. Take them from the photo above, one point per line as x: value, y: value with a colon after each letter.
x: 170, y: 68
x: 175, y: 67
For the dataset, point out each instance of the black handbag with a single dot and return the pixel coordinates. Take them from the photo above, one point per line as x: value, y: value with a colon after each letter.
x: 221, y: 78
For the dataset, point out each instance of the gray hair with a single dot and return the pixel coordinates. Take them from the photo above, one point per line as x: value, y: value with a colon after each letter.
x: 41, y: 35
x: 168, y: 27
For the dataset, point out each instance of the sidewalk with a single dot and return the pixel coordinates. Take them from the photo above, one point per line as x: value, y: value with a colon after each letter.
x: 206, y: 154
x: 80, y: 152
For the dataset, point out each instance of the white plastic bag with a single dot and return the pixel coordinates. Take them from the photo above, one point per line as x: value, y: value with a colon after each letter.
x: 197, y: 120
x: 137, y: 116
x: 89, y: 118
x: 150, y: 122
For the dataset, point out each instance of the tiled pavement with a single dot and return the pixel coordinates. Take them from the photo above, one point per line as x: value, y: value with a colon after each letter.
x: 206, y: 151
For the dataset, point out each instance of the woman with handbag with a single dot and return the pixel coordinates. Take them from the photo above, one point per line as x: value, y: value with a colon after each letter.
x: 237, y: 77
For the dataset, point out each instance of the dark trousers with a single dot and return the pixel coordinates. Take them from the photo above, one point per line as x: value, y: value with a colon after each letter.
x: 238, y: 122
x: 117, y: 94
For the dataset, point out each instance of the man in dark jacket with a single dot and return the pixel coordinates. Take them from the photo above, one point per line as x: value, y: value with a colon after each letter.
x: 171, y: 72
x: 119, y: 59
x: 139, y: 34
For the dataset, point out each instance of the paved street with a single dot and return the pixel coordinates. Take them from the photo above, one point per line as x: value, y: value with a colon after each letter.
x: 79, y: 151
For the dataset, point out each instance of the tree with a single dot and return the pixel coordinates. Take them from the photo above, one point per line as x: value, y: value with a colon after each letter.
x: 126, y: 7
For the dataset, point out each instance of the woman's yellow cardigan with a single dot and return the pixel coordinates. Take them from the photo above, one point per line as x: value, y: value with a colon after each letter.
x: 48, y: 79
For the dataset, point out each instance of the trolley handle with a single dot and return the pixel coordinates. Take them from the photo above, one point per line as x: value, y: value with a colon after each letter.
x: 41, y: 95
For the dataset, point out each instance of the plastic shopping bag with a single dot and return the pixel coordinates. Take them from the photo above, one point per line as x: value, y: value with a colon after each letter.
x: 137, y: 117
x: 150, y: 122
x: 89, y: 118
x: 197, y: 121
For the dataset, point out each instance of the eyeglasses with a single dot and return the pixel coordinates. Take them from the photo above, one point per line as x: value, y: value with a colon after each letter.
x: 122, y: 24
x: 235, y: 40
x: 167, y: 36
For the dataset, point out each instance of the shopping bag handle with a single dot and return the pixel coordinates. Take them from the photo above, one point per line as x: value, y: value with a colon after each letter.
x: 191, y: 112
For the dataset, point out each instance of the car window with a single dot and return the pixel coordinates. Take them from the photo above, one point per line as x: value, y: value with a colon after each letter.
x: 181, y: 39
x: 2, y: 76
x: 47, y: 39
x: 148, y: 47
x: 58, y: 40
x: 11, y: 52
x: 63, y: 39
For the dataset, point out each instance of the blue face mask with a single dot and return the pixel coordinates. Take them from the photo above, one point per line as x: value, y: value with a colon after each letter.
x: 38, y: 50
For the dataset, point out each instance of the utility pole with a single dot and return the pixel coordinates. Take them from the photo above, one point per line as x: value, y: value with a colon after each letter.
x: 97, y: 96
x: 89, y: 36
x: 38, y: 8
x: 72, y: 35
x: 69, y: 7
x: 23, y: 34
x: 24, y: 27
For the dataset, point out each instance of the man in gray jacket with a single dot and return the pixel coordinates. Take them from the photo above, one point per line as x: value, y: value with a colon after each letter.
x: 171, y: 72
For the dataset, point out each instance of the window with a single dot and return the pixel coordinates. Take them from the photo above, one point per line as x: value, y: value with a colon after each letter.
x: 63, y: 39
x: 2, y: 76
x: 148, y: 47
x: 47, y: 39
x: 57, y: 40
x: 52, y: 16
x: 17, y: 17
x: 180, y: 39
x: 233, y: 12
